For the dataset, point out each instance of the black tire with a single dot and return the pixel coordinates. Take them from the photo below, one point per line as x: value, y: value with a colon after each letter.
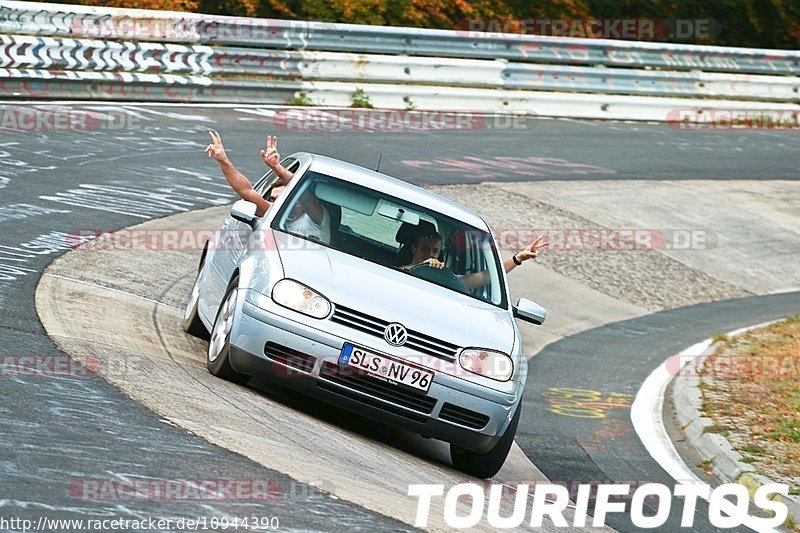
x: 191, y: 320
x: 485, y: 465
x: 219, y: 345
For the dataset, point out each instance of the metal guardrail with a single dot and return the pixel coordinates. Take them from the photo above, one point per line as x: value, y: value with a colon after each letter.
x: 178, y: 56
x: 30, y: 84
x: 43, y: 84
x: 27, y: 52
x: 108, y: 23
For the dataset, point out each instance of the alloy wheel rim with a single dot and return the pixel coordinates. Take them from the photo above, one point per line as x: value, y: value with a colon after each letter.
x: 222, y: 328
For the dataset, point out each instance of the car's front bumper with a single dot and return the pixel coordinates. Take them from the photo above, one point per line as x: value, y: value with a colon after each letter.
x: 270, y: 345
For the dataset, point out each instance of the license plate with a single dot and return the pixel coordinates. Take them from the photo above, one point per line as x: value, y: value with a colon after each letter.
x: 386, y: 368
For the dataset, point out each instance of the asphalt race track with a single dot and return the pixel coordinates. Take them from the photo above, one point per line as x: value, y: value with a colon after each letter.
x: 59, y: 432
x: 614, y: 360
x: 62, y: 433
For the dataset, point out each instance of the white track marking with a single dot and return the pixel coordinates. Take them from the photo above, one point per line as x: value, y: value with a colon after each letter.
x: 646, y: 416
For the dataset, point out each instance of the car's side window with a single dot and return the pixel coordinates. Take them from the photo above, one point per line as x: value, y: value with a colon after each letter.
x: 265, y: 182
x: 268, y: 180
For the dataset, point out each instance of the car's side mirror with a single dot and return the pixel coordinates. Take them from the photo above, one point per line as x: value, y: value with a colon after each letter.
x: 530, y: 311
x: 244, y: 211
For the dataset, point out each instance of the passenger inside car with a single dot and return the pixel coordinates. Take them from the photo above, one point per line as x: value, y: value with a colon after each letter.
x: 308, y: 216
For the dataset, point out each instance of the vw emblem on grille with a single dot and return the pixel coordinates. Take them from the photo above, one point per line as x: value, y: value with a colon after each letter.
x: 395, y: 334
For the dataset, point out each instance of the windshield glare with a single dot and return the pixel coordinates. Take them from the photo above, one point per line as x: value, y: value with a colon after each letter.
x: 396, y: 234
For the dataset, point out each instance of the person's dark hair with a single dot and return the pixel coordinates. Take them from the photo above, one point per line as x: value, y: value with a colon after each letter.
x: 426, y: 236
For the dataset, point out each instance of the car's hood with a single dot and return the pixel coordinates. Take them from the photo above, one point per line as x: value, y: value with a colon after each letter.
x: 396, y: 296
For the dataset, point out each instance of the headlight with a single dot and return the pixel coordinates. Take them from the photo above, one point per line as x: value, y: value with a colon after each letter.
x: 494, y: 365
x: 300, y: 298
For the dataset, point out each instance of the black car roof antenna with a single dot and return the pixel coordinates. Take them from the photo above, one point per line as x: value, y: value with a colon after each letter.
x: 380, y: 154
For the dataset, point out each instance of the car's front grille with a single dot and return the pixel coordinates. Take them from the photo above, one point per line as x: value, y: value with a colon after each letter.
x: 465, y: 417
x: 356, y: 380
x: 376, y: 326
x: 289, y: 357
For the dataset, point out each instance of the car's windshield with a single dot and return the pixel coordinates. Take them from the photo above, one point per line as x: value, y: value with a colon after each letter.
x: 394, y: 233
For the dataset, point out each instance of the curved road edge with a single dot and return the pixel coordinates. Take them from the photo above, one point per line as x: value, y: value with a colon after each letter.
x: 614, y: 362
x: 647, y: 417
x: 126, y: 310
x: 687, y: 400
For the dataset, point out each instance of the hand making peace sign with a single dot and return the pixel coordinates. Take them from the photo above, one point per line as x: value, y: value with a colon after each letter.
x: 270, y: 155
x: 532, y: 250
x: 215, y: 149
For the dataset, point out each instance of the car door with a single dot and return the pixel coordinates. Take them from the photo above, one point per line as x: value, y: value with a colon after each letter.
x: 231, y: 244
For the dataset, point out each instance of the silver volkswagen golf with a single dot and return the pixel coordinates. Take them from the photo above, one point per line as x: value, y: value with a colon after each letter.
x: 342, y: 314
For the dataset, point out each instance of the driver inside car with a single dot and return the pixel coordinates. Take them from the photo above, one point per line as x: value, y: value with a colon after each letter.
x: 427, y: 247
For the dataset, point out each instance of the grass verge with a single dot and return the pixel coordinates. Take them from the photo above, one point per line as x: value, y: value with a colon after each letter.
x: 751, y: 390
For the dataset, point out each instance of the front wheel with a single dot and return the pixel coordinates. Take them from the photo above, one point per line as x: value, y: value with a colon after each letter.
x: 191, y: 320
x: 485, y: 465
x: 219, y: 347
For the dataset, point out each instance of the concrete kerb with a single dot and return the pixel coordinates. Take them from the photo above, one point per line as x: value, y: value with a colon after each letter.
x: 725, y: 461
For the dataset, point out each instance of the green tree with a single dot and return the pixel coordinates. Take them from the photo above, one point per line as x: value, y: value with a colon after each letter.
x: 751, y: 23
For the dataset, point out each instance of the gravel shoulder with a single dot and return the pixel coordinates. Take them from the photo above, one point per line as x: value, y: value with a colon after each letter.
x: 649, y: 278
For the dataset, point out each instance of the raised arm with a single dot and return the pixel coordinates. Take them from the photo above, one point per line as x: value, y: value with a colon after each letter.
x: 529, y: 252
x: 272, y: 159
x: 238, y: 182
x: 479, y: 279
